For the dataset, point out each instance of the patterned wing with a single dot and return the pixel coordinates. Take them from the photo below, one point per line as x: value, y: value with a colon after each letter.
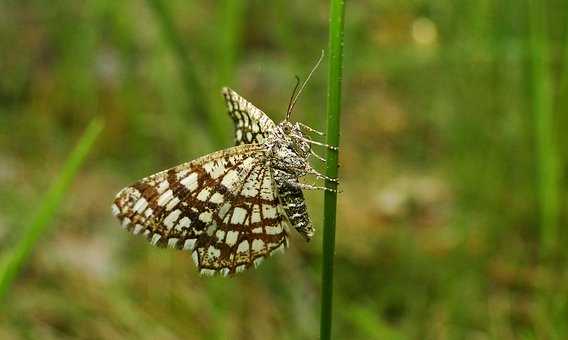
x: 251, y: 124
x: 222, y: 207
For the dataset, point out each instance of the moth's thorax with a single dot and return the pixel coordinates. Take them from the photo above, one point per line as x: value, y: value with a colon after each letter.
x: 288, y: 149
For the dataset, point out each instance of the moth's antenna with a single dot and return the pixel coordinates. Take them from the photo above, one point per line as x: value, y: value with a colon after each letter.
x: 293, y: 101
x: 289, y: 110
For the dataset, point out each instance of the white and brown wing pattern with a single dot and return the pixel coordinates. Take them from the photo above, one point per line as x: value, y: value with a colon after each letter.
x: 222, y: 207
x: 251, y: 124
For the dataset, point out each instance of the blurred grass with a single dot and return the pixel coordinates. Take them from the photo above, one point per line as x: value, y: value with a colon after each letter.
x: 547, y: 162
x: 439, y: 226
x: 14, y: 259
x: 231, y: 20
x: 200, y: 108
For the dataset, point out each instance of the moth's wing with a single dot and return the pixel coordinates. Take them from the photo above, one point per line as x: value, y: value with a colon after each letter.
x: 251, y: 124
x: 222, y: 207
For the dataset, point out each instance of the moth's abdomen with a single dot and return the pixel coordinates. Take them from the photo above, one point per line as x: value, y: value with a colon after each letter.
x: 293, y: 202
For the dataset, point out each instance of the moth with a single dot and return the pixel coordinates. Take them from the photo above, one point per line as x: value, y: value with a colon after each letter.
x: 232, y: 208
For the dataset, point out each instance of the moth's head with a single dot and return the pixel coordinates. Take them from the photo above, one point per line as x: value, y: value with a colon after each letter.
x: 296, y: 140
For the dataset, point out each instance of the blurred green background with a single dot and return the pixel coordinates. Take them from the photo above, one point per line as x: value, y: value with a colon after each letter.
x: 452, y: 218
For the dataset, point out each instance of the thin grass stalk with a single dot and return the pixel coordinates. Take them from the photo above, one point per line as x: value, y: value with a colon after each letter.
x: 563, y: 82
x: 542, y: 105
x: 194, y: 88
x: 336, y: 26
x: 232, y: 19
x: 14, y: 259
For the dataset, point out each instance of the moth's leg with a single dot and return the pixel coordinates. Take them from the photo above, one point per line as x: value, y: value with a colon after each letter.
x: 321, y: 158
x: 314, y: 187
x: 311, y: 129
x: 309, y: 186
x: 331, y: 147
x: 317, y: 156
x: 312, y: 171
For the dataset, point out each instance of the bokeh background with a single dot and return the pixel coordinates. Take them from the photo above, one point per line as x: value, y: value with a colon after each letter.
x: 452, y: 219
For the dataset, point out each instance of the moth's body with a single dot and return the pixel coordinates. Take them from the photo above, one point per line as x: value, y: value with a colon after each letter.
x: 289, y: 161
x: 231, y: 208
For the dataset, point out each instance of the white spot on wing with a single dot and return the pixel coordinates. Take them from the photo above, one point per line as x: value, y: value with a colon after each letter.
x: 205, y: 216
x: 165, y: 197
x: 173, y: 203
x: 239, y: 215
x: 189, y: 244
x: 155, y: 238
x: 162, y: 186
x: 268, y: 211
x: 230, y: 178
x: 140, y: 205
x: 172, y: 242
x: 182, y: 174
x: 211, y: 229
x: 115, y: 210
x: 217, y: 198
x: 223, y: 210
x: 214, y: 169
x: 203, y: 194
x: 171, y: 218
x: 266, y: 191
x: 213, y: 252
x: 243, y: 247
x: 207, y: 272
x: 148, y: 212
x: 137, y: 229
x: 220, y: 234
x: 257, y: 245
x: 250, y: 189
x: 125, y: 222
x: 255, y: 214
x: 232, y: 237
x: 183, y: 223
x: 190, y: 182
x: 273, y: 230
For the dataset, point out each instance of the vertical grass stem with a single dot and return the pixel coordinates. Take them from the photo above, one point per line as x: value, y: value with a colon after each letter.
x: 336, y: 27
x: 542, y: 105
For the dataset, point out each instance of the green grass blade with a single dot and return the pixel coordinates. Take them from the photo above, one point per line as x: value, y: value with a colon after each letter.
x: 231, y: 21
x: 542, y: 105
x: 337, y: 15
x: 13, y: 261
x: 194, y: 88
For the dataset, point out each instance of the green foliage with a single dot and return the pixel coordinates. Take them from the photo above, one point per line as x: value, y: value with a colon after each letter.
x: 14, y: 259
x: 452, y: 163
x: 542, y: 104
x: 200, y: 107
